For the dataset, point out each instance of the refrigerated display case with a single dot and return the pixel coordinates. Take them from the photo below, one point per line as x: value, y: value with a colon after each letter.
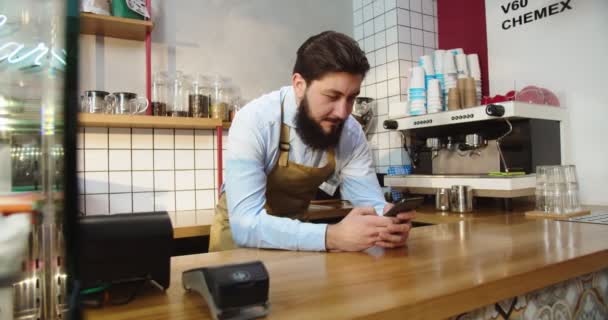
x: 37, y: 139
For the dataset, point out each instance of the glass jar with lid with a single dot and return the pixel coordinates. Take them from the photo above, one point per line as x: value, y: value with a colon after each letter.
x: 199, y: 98
x: 219, y: 104
x: 179, y: 93
x: 160, y: 93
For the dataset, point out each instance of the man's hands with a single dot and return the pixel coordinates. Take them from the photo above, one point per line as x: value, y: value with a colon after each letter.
x: 395, y: 235
x: 363, y: 228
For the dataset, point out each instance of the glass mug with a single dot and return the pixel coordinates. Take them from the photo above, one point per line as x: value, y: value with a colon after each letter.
x: 93, y: 101
x: 126, y: 103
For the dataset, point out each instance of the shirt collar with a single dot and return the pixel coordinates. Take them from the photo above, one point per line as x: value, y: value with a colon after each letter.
x: 290, y: 106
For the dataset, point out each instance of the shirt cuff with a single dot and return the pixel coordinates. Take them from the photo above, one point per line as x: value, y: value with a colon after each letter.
x: 312, y: 237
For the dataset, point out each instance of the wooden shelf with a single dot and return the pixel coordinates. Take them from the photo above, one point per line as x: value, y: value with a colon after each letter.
x: 226, y: 124
x: 116, y: 27
x: 134, y: 121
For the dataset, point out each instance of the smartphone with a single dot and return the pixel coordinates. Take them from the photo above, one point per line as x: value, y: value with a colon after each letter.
x: 404, y: 205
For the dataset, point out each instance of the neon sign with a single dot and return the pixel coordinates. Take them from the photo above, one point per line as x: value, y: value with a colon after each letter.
x: 13, y: 52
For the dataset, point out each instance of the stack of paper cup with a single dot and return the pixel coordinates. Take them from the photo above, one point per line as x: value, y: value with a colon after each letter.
x: 456, y: 51
x: 461, y: 66
x: 438, y: 61
x: 475, y: 73
x: 434, y: 96
x: 449, y: 73
x: 417, y: 91
x: 426, y: 62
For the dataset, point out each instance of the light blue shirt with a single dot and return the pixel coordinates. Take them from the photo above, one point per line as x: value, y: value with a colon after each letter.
x: 253, y: 143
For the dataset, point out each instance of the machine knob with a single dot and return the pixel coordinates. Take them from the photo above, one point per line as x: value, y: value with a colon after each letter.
x: 390, y: 124
x: 495, y: 110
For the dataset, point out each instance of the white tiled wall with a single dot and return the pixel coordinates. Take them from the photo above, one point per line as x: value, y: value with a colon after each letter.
x: 122, y: 170
x: 393, y: 34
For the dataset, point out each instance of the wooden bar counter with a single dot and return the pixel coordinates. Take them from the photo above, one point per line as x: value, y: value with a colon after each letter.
x: 445, y: 270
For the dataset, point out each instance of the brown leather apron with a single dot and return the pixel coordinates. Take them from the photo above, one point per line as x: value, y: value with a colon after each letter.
x: 289, y: 189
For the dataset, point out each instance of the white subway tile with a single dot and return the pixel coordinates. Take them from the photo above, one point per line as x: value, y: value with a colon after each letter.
x: 143, y: 202
x: 416, y: 20
x: 403, y: 4
x: 184, y: 159
x: 203, y: 139
x: 405, y: 34
x: 390, y: 4
x: 142, y: 159
x: 429, y: 51
x: 403, y: 17
x: 416, y: 5
x: 405, y: 51
x: 164, y: 180
x: 417, y: 37
x: 204, y: 159
x: 371, y: 59
x: 164, y: 201
x: 358, y: 17
x: 143, y: 181
x: 392, y: 70
x: 163, y: 160
x: 368, y: 28
x: 391, y: 36
x: 362, y: 44
x: 390, y: 18
x: 369, y: 44
x: 381, y: 119
x: 378, y: 7
x: 382, y: 106
x: 357, y: 4
x: 185, y: 200
x: 205, y: 179
x: 397, y: 109
x: 380, y: 61
x: 120, y: 138
x: 81, y: 205
x: 392, y: 52
x: 393, y: 87
x: 96, y: 160
x: 120, y: 181
x: 368, y: 12
x: 383, y: 157
x: 417, y: 51
x: 358, y: 33
x: 383, y: 140
x: 163, y: 139
x: 381, y: 74
x: 96, y: 138
x: 370, y: 91
x: 120, y: 160
x: 427, y: 7
x: 404, y: 69
x: 435, y: 9
x: 366, y: 2
x: 381, y: 90
x: 205, y: 199
x: 395, y: 157
x: 141, y: 138
x: 382, y: 169
x: 429, y: 40
x: 379, y: 25
x: 184, y: 139
x: 394, y: 140
x: 371, y: 76
x: 184, y: 180
x: 428, y: 23
x: 97, y: 204
x: 120, y: 203
x: 380, y: 41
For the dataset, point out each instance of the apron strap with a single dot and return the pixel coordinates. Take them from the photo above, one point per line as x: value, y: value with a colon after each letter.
x: 283, y: 140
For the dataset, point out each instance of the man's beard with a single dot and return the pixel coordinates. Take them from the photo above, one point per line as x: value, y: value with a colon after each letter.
x: 312, y: 133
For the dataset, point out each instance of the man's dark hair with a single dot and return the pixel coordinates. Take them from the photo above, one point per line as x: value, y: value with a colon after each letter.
x: 330, y: 51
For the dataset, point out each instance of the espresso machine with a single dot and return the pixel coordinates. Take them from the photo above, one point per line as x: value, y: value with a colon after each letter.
x: 493, y: 149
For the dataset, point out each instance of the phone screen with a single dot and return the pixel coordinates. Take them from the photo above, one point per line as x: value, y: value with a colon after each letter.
x: 404, y: 205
